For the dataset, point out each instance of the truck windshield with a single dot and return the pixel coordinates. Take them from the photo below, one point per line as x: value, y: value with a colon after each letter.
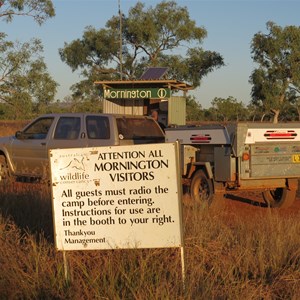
x: 38, y: 130
x: 139, y: 128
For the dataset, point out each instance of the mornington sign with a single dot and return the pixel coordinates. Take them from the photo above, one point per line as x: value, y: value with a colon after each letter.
x: 151, y: 93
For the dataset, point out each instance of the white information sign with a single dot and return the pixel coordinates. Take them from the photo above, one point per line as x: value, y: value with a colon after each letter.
x: 116, y: 197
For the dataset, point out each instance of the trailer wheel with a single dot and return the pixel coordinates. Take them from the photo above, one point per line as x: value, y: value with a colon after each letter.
x: 280, y: 197
x: 202, y: 191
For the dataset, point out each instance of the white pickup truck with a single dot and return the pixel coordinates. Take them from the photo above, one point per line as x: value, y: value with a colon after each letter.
x: 25, y: 155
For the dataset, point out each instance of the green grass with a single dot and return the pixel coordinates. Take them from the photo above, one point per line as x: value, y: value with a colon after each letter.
x: 247, y: 253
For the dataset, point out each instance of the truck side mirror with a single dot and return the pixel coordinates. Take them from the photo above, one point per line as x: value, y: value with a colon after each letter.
x: 19, y: 135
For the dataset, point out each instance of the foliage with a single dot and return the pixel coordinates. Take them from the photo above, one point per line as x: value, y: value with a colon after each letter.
x: 194, y: 110
x: 25, y: 85
x: 39, y: 10
x: 277, y: 79
x: 150, y: 37
x: 228, y: 109
x: 77, y: 104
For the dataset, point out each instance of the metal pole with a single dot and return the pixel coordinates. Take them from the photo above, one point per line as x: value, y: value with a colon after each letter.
x: 66, y: 269
x: 120, y: 16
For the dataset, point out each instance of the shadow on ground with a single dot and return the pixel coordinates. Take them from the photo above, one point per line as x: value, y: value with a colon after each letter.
x: 245, y: 199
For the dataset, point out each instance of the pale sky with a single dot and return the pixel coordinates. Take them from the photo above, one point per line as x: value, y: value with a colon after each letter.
x: 230, y: 25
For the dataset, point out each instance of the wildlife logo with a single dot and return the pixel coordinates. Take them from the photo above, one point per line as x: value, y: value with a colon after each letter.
x: 75, y: 163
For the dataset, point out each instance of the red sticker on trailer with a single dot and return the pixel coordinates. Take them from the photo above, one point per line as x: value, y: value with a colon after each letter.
x: 280, y: 135
x: 200, y: 138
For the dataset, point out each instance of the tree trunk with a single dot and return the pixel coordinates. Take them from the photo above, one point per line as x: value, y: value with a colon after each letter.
x: 262, y: 117
x: 298, y: 111
x: 276, y: 115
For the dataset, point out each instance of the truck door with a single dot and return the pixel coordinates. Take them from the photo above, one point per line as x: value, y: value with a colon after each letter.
x: 29, y: 148
x: 67, y: 133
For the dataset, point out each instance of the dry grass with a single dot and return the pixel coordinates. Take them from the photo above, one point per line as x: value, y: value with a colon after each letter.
x: 246, y: 253
x: 10, y: 127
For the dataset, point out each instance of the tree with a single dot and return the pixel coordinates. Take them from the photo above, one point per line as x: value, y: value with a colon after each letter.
x: 277, y: 79
x: 228, y: 109
x: 150, y: 37
x: 77, y: 104
x: 25, y: 85
x: 193, y: 110
x: 39, y: 10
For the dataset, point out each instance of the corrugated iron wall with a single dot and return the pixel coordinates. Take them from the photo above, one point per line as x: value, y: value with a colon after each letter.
x: 123, y: 106
x: 177, y: 110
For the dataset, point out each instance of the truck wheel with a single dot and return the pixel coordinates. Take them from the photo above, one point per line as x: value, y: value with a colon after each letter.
x: 4, y: 173
x: 202, y: 191
x: 279, y: 198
